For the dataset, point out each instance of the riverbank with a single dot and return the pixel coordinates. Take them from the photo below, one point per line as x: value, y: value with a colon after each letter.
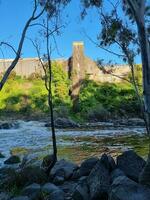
x: 33, y: 138
x: 67, y: 122
x: 95, y: 178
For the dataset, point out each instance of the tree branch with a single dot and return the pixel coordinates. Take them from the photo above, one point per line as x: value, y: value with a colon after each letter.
x: 9, y: 45
x: 18, y: 52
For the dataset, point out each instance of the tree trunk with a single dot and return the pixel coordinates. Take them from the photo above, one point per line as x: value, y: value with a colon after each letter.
x: 145, y: 55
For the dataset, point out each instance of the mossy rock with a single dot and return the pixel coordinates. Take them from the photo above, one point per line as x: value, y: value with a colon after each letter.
x: 12, y: 160
x: 1, y: 155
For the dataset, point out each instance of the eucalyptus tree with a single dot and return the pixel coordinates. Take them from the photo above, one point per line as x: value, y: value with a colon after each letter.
x: 127, y: 25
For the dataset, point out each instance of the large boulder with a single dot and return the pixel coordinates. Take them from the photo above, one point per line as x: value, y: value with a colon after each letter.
x: 8, y: 125
x: 33, y: 191
x: 144, y: 177
x: 124, y: 188
x: 87, y: 166
x: 52, y: 192
x: 7, y: 177
x: 115, y: 173
x: 21, y: 177
x: 65, y: 123
x: 62, y: 171
x: 48, y: 160
x: 99, y: 179
x: 81, y: 190
x: 131, y: 164
x: 68, y: 187
x: 31, y: 174
x: 12, y: 160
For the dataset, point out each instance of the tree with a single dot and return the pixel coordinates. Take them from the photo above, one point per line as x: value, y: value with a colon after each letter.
x: 115, y: 30
x: 137, y: 11
x: 53, y: 9
x: 34, y: 16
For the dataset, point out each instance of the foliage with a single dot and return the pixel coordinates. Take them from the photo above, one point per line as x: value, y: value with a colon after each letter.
x: 97, y: 101
x: 30, y: 95
x: 138, y: 75
x: 106, y: 100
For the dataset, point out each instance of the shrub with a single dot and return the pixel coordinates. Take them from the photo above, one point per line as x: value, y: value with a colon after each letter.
x: 99, y: 113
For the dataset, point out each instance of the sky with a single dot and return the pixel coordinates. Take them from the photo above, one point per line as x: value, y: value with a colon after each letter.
x: 14, y: 14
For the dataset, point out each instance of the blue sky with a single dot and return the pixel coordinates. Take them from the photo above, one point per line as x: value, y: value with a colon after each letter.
x: 14, y: 13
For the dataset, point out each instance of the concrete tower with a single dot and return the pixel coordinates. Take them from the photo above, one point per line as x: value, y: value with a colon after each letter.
x: 77, y: 68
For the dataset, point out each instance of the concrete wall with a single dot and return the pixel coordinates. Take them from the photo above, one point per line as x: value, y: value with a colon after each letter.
x: 25, y: 67
x: 78, y: 66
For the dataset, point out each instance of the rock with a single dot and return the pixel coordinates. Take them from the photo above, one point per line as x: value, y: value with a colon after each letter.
x: 108, y: 161
x: 52, y: 192
x: 21, y: 177
x: 49, y: 188
x: 5, y: 125
x: 87, y: 166
x: 48, y: 161
x: 131, y: 164
x: 12, y: 160
x: 33, y: 191
x: 68, y: 187
x: 99, y: 180
x: 4, y: 196
x: 117, y: 172
x: 124, y: 188
x: 76, y: 175
x: 65, y: 123
x: 8, y: 125
x: 59, y: 179
x: 7, y: 177
x: 21, y: 198
x: 112, y: 164
x: 135, y: 122
x: 32, y: 174
x: 81, y: 191
x: 63, y: 170
x: 1, y: 155
x: 130, y: 122
x: 57, y: 195
x: 48, y: 125
x: 30, y: 160
x: 144, y: 177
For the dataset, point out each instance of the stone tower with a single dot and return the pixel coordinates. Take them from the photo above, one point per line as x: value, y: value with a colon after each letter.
x: 77, y: 70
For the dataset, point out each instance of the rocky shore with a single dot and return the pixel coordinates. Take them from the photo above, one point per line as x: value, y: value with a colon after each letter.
x: 94, y: 179
x: 64, y: 123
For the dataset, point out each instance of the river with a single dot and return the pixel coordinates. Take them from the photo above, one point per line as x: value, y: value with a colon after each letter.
x: 33, y: 138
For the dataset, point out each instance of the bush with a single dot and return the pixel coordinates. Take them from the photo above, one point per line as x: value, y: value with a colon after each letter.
x: 118, y: 99
x: 99, y: 113
x: 34, y: 76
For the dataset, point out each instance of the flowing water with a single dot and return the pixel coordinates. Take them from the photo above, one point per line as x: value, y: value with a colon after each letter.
x: 33, y: 138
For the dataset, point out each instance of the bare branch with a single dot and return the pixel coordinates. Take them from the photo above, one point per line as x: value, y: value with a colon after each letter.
x: 109, y: 51
x: 9, y: 45
x: 37, y: 48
